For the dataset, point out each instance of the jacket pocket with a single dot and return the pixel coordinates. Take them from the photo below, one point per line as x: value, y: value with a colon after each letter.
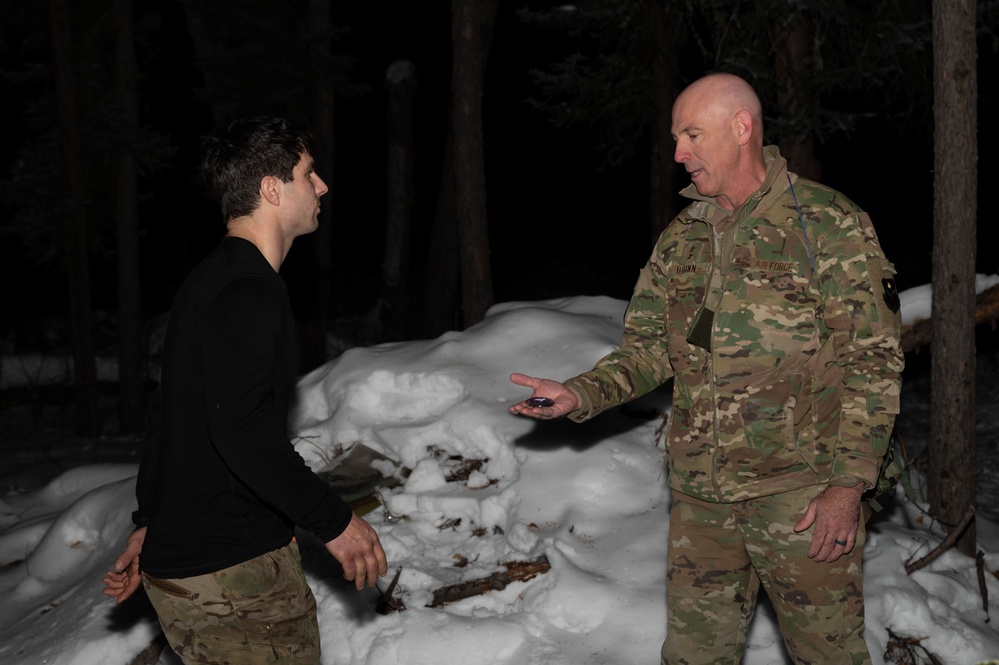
x: 167, y: 586
x: 791, y: 426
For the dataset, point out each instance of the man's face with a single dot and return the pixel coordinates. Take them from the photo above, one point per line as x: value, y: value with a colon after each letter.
x: 705, y: 145
x: 302, y: 195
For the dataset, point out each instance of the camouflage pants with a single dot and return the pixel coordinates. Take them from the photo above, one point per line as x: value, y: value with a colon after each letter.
x: 259, y: 611
x: 718, y: 556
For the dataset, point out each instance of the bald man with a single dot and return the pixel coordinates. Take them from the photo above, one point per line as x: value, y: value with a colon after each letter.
x: 770, y: 304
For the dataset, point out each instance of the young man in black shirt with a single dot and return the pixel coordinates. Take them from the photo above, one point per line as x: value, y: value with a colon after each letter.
x: 222, y: 489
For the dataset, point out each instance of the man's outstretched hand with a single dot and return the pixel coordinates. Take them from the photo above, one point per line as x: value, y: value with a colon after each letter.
x: 563, y: 400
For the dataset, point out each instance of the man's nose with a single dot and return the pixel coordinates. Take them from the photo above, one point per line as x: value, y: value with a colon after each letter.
x: 680, y: 154
x: 321, y: 187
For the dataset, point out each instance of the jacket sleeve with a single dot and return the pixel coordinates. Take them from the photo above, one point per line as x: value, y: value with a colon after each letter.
x: 241, y: 329
x: 641, y: 363
x: 861, y: 310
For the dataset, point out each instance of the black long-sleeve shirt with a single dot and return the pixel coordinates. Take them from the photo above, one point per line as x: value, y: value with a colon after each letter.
x: 223, y: 483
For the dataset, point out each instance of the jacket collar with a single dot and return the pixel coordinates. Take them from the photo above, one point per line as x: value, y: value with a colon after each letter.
x: 774, y: 184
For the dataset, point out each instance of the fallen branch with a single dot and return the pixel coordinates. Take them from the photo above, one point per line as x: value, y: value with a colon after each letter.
x: 920, y: 333
x: 947, y: 543
x: 388, y: 603
x: 516, y: 571
x: 902, y: 650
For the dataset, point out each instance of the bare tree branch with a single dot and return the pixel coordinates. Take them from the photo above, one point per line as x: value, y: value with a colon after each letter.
x: 947, y: 543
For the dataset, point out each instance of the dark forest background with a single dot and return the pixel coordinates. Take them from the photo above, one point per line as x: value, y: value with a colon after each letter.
x: 569, y: 146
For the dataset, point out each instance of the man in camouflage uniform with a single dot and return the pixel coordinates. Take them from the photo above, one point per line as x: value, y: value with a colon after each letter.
x: 770, y: 303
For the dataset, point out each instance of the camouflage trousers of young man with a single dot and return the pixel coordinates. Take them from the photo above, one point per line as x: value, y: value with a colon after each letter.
x: 720, y: 553
x: 259, y: 611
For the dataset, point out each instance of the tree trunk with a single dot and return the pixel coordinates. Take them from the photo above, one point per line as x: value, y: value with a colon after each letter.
x: 204, y: 53
x: 440, y: 296
x: 952, y: 393
x: 668, y: 41
x: 75, y: 224
x: 469, y: 169
x: 400, y: 80
x: 312, y: 328
x: 131, y: 388
x: 795, y: 101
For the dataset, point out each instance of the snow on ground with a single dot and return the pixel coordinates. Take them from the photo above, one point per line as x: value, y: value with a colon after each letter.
x: 485, y: 488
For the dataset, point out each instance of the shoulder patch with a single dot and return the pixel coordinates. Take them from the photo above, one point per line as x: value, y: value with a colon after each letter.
x: 886, y: 300
x: 890, y: 294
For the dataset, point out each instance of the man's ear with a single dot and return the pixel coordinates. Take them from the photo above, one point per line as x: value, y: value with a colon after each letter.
x: 742, y: 127
x: 271, y: 189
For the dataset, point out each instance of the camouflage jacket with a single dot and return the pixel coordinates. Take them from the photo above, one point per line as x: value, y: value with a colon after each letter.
x: 784, y: 348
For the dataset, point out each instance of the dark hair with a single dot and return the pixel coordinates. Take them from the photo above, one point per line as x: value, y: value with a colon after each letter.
x: 235, y: 160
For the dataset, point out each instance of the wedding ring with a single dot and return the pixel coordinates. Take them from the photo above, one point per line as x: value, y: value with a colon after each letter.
x: 840, y: 542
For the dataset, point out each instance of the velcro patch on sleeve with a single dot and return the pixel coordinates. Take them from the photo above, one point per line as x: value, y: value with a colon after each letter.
x: 886, y: 299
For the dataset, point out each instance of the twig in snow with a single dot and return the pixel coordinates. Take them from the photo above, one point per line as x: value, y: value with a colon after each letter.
x: 947, y: 543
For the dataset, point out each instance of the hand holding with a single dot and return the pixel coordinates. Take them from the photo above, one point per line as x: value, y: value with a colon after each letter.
x: 359, y: 552
x: 124, y: 578
x: 563, y: 400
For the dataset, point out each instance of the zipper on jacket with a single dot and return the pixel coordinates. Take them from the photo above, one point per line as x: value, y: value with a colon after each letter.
x: 717, y: 241
x: 723, y: 236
